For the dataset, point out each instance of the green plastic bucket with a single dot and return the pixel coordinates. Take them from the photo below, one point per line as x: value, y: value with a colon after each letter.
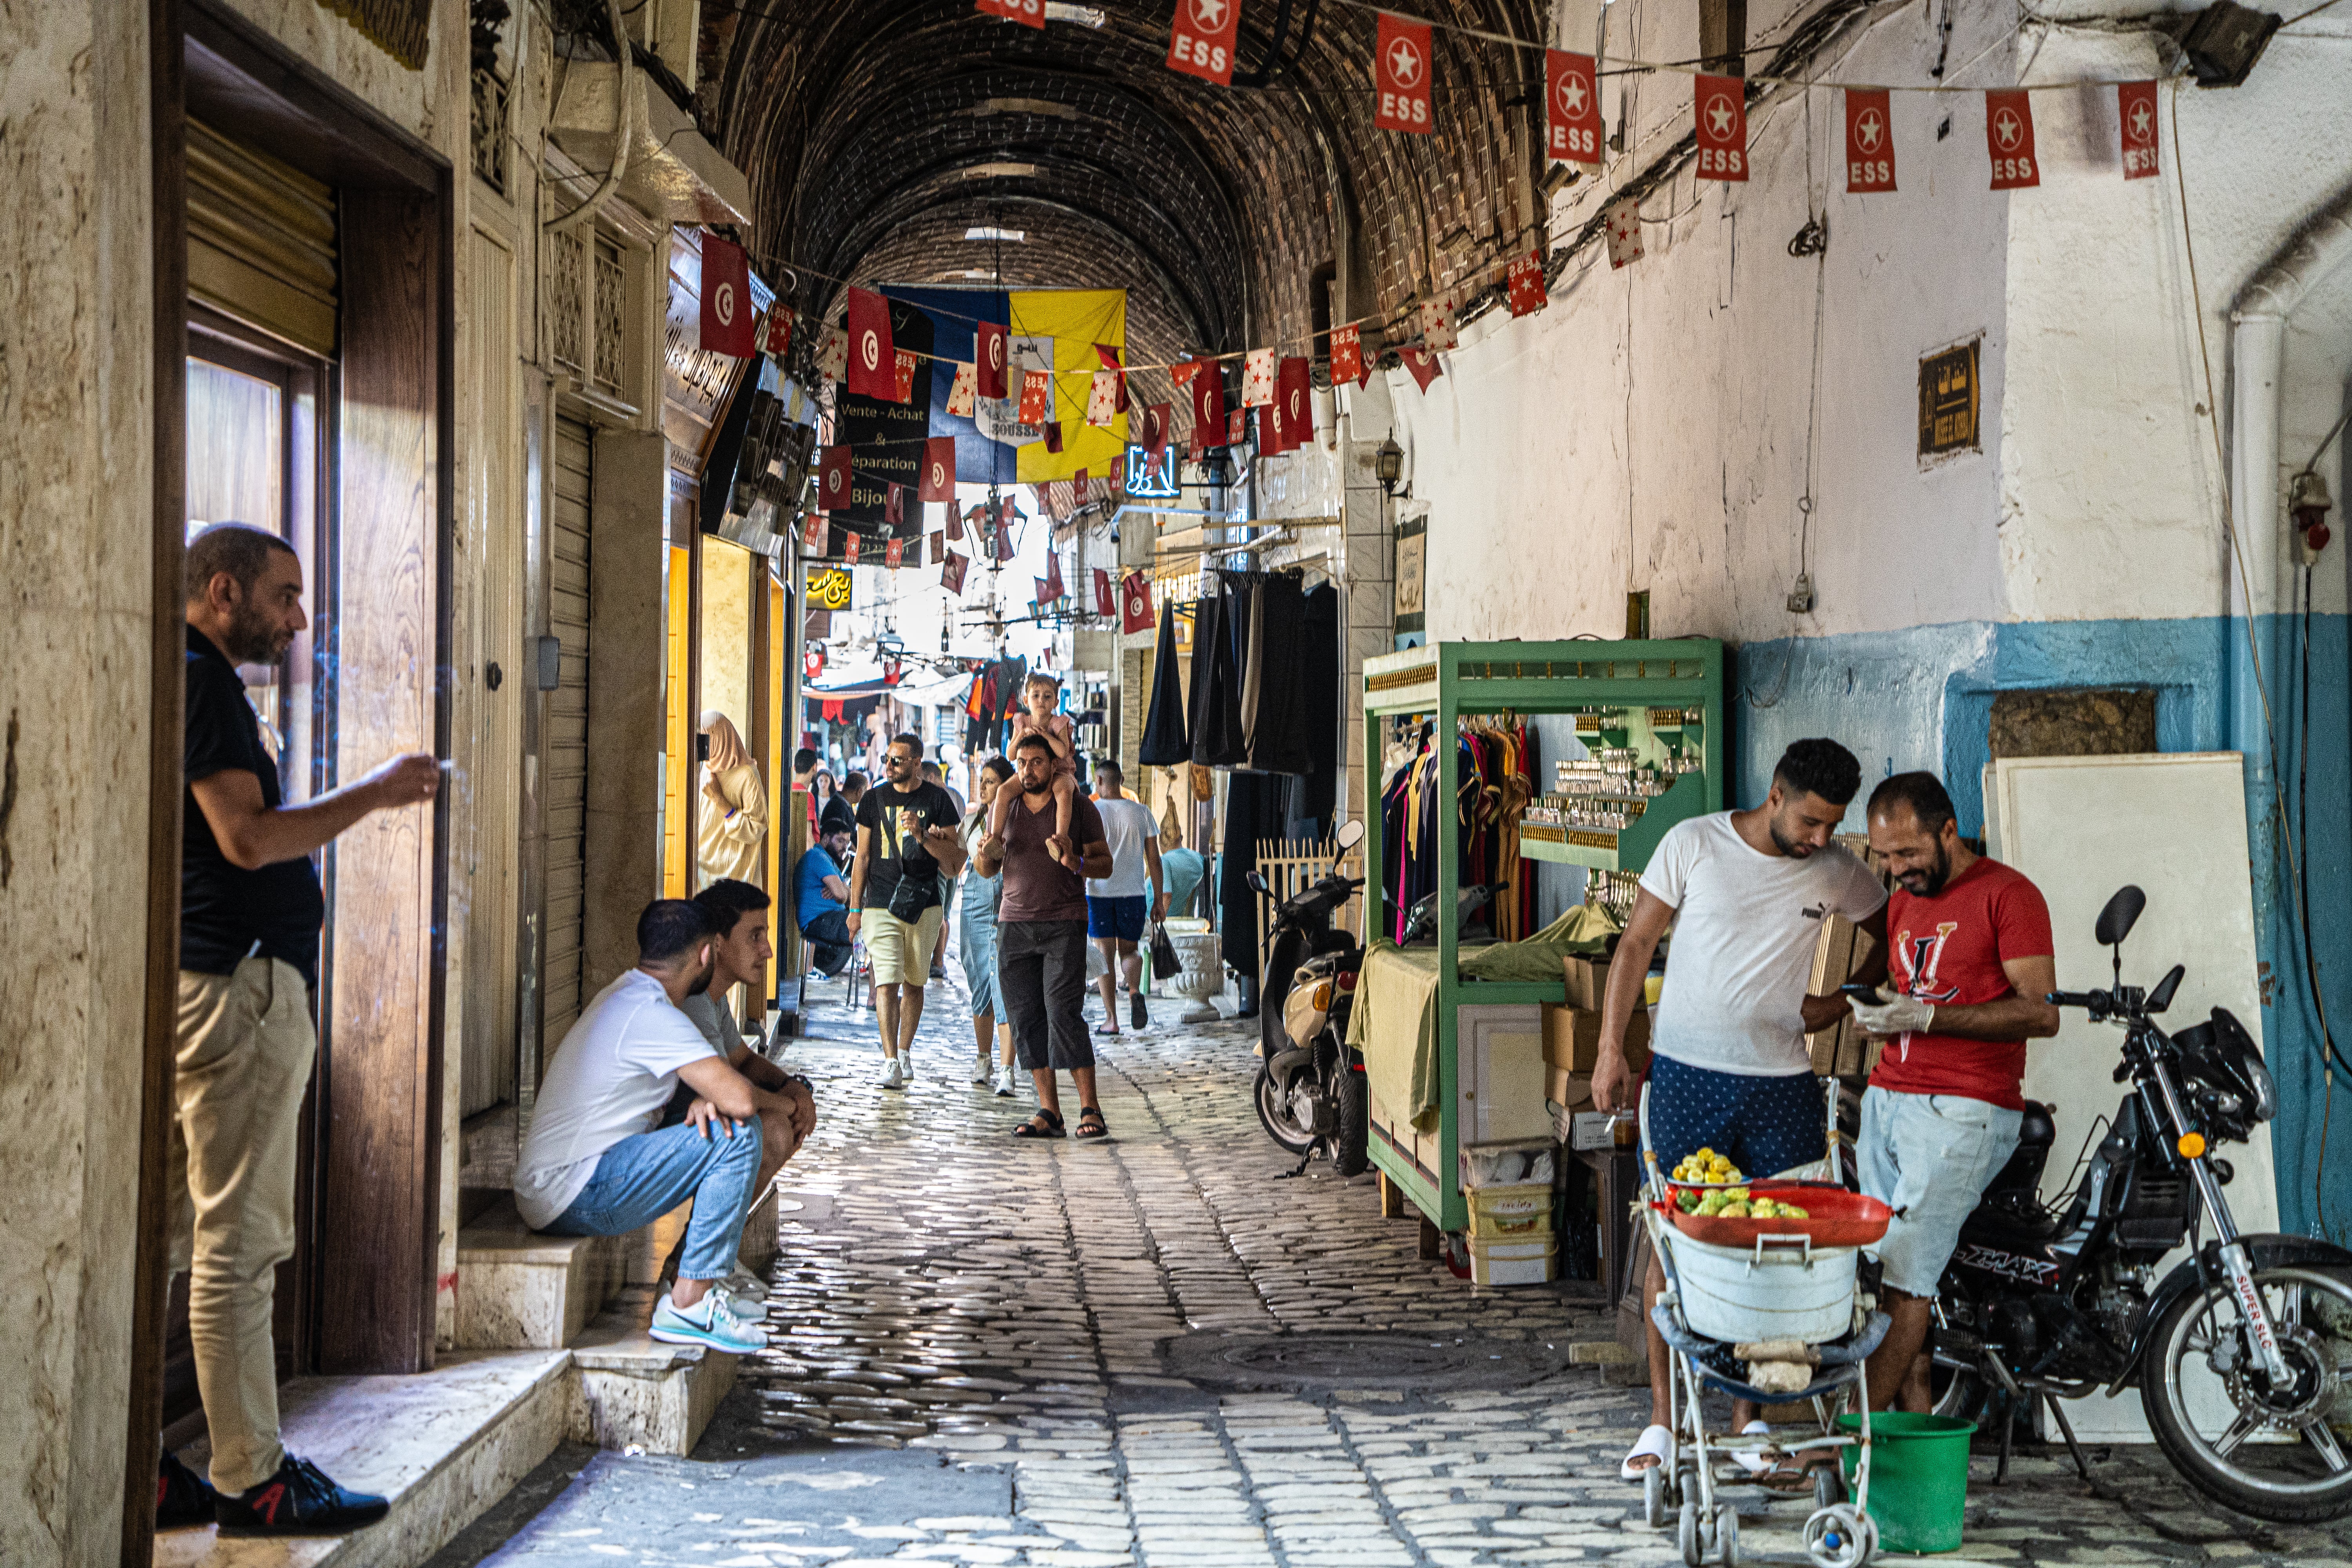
x: 1918, y: 1478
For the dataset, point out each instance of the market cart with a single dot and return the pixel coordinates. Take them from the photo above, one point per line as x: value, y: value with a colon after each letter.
x: 1453, y: 1058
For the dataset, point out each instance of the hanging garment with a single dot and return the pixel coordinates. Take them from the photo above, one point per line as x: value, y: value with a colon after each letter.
x: 1166, y: 743
x: 1278, y: 734
x: 1217, y: 692
x: 1318, y: 707
x: 1253, y: 811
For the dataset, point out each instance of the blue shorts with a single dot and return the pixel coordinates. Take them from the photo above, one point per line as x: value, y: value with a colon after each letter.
x: 1927, y: 1157
x: 1766, y: 1125
x: 1121, y: 918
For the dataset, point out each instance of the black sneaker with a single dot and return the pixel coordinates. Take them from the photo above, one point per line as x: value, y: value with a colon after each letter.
x: 182, y: 1498
x: 1138, y: 1016
x: 298, y: 1500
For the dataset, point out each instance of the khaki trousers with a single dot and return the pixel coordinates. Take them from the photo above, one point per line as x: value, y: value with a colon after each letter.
x: 246, y: 1045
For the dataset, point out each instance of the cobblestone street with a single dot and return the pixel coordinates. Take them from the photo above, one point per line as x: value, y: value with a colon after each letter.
x: 1005, y: 1354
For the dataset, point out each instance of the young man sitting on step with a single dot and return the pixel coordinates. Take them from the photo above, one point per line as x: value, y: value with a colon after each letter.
x: 597, y: 1163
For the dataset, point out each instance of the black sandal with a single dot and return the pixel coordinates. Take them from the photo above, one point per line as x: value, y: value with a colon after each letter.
x: 1090, y: 1122
x: 1044, y: 1124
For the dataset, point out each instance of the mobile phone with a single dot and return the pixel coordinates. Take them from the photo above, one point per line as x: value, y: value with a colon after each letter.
x: 1866, y: 994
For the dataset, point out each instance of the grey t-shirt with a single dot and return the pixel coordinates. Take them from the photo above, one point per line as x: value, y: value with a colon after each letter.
x: 717, y: 1023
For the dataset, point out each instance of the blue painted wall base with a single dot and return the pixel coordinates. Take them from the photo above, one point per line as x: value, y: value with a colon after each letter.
x: 1922, y: 698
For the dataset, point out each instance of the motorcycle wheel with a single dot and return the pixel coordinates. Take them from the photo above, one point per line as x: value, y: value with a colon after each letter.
x: 2263, y: 1451
x: 1274, y: 1113
x: 1355, y: 1122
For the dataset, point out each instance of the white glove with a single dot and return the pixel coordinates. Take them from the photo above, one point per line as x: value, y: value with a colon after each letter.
x: 1903, y: 1015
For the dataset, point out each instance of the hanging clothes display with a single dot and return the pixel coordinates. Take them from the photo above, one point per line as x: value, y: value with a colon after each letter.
x: 1222, y: 618
x: 1318, y: 708
x: 1494, y: 779
x: 1253, y: 810
x: 1274, y: 690
x: 1165, y: 742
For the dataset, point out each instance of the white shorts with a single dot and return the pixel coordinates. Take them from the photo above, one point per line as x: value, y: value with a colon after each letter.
x: 1927, y: 1157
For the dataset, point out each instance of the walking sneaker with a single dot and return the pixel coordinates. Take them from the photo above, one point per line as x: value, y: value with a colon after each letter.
x: 1004, y: 1083
x: 982, y: 1071
x: 710, y: 1321
x: 906, y: 1066
x: 1138, y: 1015
x: 298, y: 1500
x: 893, y: 1076
x: 182, y: 1498
x: 749, y: 1310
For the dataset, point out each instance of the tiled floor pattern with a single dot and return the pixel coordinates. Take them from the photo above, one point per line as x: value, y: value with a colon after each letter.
x: 965, y: 1370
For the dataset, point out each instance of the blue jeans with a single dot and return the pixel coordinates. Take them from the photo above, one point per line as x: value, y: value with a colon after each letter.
x: 640, y: 1179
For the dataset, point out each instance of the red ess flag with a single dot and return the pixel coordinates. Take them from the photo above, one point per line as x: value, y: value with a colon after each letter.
x: 1036, y: 397
x: 1236, y: 427
x: 1201, y: 41
x: 1571, y: 109
x: 1106, y: 601
x: 1135, y: 600
x: 727, y: 298
x: 849, y: 547
x: 1526, y: 281
x: 2136, y: 111
x: 988, y: 372
x: 1720, y: 103
x: 1294, y: 403
x: 779, y: 337
x: 1031, y: 13
x: 1348, y: 355
x: 902, y: 380
x: 873, y: 363
x: 813, y: 535
x: 2009, y: 137
x: 939, y: 470
x: 1869, y: 141
x: 895, y: 552
x: 1400, y: 71
x: 1157, y: 417
x: 1209, y: 407
x: 833, y: 479
x: 1182, y: 372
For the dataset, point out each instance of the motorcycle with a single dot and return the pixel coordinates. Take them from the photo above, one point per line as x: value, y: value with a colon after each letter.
x: 1421, y: 919
x: 1310, y: 1090
x: 2238, y: 1352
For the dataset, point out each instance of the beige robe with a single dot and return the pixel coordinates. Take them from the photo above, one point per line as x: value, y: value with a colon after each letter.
x: 726, y: 843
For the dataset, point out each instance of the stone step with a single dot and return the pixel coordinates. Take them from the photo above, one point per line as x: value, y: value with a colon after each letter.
x: 632, y: 1390
x: 519, y: 1289
x: 443, y: 1446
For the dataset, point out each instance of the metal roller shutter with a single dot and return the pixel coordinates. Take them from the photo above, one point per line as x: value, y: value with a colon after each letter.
x: 261, y: 240
x: 567, y: 736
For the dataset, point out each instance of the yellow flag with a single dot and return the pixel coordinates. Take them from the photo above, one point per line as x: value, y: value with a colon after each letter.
x: 1076, y: 319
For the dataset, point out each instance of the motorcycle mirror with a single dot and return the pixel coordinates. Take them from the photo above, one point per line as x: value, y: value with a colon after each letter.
x: 2121, y: 914
x: 2161, y: 997
x: 1256, y: 880
x: 1350, y: 833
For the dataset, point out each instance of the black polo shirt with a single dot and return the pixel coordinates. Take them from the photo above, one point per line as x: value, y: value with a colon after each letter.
x: 228, y: 913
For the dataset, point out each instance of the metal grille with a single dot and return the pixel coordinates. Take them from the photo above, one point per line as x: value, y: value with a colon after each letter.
x: 564, y: 303
x: 610, y: 341
x: 491, y: 95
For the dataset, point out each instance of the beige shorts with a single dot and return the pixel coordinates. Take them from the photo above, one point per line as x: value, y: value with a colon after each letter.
x: 902, y: 950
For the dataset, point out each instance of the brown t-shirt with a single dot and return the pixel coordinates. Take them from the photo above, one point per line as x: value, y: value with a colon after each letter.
x: 1037, y: 886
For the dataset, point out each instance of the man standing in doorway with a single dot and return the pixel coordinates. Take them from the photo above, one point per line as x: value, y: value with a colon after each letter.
x: 907, y: 852
x: 1117, y: 905
x: 1746, y: 893
x: 1040, y: 937
x: 1970, y: 960
x: 840, y: 813
x: 250, y: 909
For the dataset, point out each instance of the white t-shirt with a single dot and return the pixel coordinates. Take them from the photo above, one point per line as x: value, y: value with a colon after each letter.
x: 1127, y: 824
x: 1745, y: 924
x: 611, y: 1078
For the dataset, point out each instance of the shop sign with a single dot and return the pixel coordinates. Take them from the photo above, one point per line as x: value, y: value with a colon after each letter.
x: 1948, y: 402
x: 1412, y: 539
x: 828, y: 588
x: 1150, y: 478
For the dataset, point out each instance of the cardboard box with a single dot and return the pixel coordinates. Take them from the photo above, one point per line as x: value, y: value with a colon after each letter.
x: 1843, y: 1049
x: 1569, y: 1091
x: 1572, y: 1039
x: 1587, y: 979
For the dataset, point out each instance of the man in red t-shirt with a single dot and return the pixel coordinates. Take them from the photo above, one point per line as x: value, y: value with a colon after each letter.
x: 1969, y: 959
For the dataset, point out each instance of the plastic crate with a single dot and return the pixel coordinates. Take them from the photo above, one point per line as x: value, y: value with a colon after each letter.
x: 1505, y: 1262
x: 1519, y: 1210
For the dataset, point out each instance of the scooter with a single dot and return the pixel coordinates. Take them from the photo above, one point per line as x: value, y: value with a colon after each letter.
x: 2239, y: 1352
x: 1310, y: 1093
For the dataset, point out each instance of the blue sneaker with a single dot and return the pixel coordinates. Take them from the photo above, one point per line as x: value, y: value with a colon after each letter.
x: 709, y: 1321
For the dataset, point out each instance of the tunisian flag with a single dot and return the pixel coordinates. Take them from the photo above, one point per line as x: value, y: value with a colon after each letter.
x: 990, y: 352
x: 873, y: 363
x: 833, y: 480
x: 938, y: 482
x: 727, y: 298
x: 1208, y: 406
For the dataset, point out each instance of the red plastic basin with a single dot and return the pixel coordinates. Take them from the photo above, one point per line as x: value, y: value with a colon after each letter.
x: 1835, y: 1217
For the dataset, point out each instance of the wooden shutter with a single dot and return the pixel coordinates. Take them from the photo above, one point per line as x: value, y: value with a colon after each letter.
x: 261, y: 240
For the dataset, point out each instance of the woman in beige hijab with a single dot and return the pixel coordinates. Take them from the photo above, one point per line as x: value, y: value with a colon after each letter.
x: 735, y: 807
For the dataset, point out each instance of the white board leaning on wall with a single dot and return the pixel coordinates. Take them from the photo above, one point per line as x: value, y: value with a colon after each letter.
x: 2176, y: 825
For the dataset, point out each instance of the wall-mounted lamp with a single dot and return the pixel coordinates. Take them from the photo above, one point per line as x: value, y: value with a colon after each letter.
x: 1387, y: 464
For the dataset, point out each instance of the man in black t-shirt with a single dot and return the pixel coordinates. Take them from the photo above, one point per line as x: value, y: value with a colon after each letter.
x: 907, y: 852
x: 249, y: 915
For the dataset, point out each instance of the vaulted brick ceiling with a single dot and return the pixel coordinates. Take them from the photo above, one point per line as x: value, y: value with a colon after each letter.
x: 877, y: 132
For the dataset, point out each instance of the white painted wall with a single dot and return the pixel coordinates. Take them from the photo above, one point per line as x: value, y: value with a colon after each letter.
x: 1648, y: 429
